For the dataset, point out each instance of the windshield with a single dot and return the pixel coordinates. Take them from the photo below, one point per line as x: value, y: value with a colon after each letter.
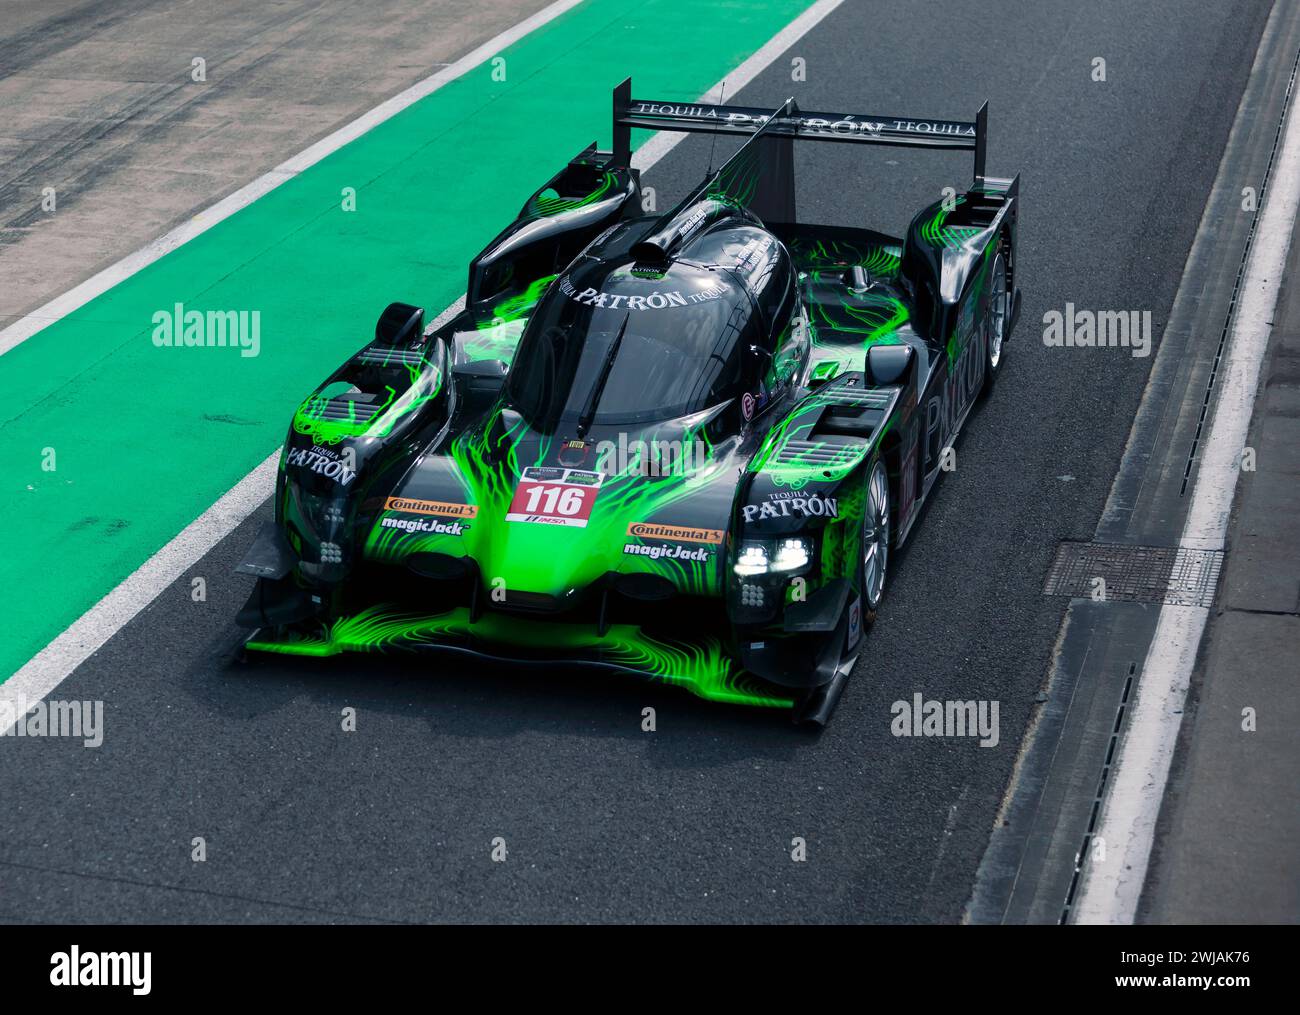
x: 613, y: 348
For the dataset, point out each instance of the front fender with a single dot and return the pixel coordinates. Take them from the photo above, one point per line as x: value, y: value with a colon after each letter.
x: 805, y: 491
x: 349, y: 442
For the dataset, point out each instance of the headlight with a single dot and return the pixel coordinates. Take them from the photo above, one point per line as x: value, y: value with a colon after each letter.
x: 791, y: 553
x: 752, y: 559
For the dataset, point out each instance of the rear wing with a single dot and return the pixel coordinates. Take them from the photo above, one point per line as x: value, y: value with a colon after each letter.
x: 791, y: 122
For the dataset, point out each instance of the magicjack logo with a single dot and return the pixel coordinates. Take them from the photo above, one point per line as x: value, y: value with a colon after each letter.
x: 75, y: 968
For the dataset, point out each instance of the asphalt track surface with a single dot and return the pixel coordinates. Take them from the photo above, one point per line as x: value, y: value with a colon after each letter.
x: 695, y: 821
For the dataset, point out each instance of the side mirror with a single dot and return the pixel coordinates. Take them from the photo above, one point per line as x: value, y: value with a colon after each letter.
x: 481, y: 370
x: 888, y: 364
x: 399, y: 324
x: 481, y: 379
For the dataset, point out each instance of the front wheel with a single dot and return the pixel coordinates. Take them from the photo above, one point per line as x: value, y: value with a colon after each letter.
x: 875, y: 543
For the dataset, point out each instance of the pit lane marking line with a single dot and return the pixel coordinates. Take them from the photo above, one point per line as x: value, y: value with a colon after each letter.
x: 98, y: 284
x: 1110, y: 891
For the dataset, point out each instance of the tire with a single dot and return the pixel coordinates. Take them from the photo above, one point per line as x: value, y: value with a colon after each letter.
x: 996, y: 321
x: 877, y: 517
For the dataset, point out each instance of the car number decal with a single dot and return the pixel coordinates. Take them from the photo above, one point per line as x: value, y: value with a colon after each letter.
x: 550, y: 496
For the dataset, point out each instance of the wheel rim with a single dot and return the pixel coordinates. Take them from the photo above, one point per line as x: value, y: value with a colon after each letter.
x: 876, y: 537
x: 997, y: 311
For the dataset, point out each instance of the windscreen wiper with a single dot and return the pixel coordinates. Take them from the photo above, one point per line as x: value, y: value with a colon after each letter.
x: 589, y: 409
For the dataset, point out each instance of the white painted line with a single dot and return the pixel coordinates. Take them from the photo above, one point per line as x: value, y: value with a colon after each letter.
x: 662, y: 143
x: 1111, y: 889
x: 49, y: 667
x: 98, y: 284
x: 46, y: 670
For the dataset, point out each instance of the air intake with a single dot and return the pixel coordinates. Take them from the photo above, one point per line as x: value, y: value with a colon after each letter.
x: 353, y: 408
x: 670, y: 233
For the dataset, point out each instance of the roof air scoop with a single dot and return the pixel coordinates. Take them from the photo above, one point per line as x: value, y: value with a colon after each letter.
x: 675, y: 229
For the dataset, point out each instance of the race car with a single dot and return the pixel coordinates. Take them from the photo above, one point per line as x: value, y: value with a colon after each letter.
x: 680, y: 445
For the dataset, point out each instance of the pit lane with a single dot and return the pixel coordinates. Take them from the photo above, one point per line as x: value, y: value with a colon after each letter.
x: 695, y: 821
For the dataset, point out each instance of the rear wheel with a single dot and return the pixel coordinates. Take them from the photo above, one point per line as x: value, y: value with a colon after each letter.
x: 875, y: 543
x: 999, y: 315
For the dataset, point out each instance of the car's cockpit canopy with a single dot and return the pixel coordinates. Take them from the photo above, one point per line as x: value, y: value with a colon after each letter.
x: 622, y: 344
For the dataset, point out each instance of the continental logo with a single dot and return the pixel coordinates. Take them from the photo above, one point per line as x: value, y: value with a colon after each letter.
x: 430, y: 507
x: 646, y: 530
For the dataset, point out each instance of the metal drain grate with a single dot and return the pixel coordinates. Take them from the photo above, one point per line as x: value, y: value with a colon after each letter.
x: 1136, y: 574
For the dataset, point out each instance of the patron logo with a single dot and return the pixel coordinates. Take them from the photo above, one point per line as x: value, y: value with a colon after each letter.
x: 674, y: 533
x: 852, y: 126
x: 964, y: 381
x: 75, y: 968
x: 847, y: 125
x: 668, y: 551
x: 326, y: 461
x: 583, y: 478
x: 430, y: 507
x: 786, y: 504
x: 658, y: 300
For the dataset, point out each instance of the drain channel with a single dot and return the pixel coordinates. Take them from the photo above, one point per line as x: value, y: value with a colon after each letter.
x: 1135, y: 574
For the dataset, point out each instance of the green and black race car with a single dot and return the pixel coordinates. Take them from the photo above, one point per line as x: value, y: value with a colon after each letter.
x: 679, y: 445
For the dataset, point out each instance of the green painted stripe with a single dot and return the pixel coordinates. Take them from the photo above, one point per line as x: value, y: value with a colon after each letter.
x: 145, y: 439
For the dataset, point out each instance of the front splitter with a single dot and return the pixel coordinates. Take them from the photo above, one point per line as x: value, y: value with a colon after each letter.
x: 700, y: 663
